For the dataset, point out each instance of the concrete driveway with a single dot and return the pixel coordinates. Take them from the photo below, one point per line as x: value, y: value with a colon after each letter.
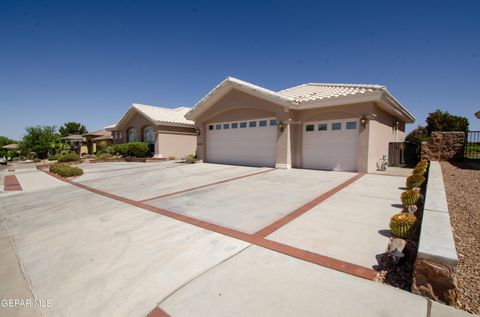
x: 97, y: 253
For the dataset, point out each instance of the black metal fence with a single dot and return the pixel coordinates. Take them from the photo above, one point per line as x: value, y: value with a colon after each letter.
x: 472, y: 145
x: 403, y: 154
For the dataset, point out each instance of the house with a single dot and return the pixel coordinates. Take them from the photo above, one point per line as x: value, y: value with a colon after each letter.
x: 98, y: 140
x: 76, y: 142
x: 314, y: 126
x: 166, y: 130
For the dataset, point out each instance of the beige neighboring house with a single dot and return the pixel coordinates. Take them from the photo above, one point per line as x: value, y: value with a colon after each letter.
x: 315, y: 126
x: 166, y: 130
x: 98, y: 140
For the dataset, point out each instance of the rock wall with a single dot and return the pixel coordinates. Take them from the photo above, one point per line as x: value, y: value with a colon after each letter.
x: 444, y: 146
x: 435, y: 281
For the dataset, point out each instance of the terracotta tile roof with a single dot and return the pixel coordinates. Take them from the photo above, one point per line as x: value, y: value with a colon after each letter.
x: 320, y: 91
x: 161, y: 115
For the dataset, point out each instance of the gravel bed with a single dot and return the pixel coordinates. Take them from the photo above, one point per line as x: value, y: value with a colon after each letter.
x: 462, y: 184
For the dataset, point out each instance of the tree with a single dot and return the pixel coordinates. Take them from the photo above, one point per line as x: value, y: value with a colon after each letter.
x: 4, y: 141
x: 72, y: 128
x: 438, y: 121
x: 444, y: 121
x: 42, y: 140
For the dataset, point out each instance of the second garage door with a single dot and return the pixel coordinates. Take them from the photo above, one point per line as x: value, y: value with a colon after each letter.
x: 330, y: 145
x: 251, y: 142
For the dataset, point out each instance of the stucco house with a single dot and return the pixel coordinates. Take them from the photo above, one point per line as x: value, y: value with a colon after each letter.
x: 98, y: 140
x: 166, y: 130
x: 314, y: 126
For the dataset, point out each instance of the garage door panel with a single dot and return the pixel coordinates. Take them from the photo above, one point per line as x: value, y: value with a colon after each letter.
x: 330, y: 149
x: 254, y: 146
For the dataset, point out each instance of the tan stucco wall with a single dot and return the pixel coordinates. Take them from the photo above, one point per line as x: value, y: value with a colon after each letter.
x: 382, y: 132
x: 176, y: 145
x: 138, y: 122
x: 373, y: 139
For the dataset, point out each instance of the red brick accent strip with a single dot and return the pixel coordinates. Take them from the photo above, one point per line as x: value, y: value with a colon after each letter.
x: 11, y: 184
x: 304, y: 255
x: 158, y: 312
x: 303, y: 209
x: 206, y: 185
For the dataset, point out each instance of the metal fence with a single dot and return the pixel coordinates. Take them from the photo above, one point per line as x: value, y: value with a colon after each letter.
x: 472, y: 145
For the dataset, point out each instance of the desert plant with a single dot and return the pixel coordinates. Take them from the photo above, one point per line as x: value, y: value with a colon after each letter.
x: 69, y: 157
x: 415, y: 181
x: 190, y: 159
x: 103, y: 156
x: 419, y: 170
x: 403, y: 225
x: 65, y: 170
x: 410, y: 197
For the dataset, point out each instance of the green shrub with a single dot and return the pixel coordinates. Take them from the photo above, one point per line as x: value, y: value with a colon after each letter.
x: 65, y: 170
x: 403, y: 225
x: 103, y: 156
x: 53, y: 157
x: 69, y: 157
x: 134, y: 149
x: 190, y: 159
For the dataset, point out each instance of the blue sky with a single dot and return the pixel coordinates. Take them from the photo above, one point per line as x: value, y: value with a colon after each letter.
x: 88, y: 61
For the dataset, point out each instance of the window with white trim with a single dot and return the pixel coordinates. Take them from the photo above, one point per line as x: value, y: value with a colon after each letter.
x: 352, y: 125
x: 132, y: 135
x: 337, y: 126
x: 262, y: 123
x: 322, y: 127
x: 243, y: 124
x: 309, y: 127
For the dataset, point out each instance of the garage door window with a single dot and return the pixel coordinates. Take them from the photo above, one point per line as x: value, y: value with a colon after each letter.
x: 351, y: 125
x: 252, y: 124
x: 243, y: 124
x: 226, y: 126
x: 234, y: 125
x: 336, y: 126
x: 210, y: 127
x: 218, y: 127
x: 273, y: 122
x: 322, y: 127
x: 262, y: 123
x: 309, y: 127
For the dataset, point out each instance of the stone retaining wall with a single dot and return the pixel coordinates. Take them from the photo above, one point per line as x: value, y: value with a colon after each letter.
x: 444, y: 146
x: 434, y: 272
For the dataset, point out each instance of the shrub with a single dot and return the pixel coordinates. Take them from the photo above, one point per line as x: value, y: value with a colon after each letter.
x: 135, y: 149
x: 110, y: 150
x: 171, y: 158
x: 103, y: 156
x: 69, y: 157
x: 403, y: 225
x: 415, y: 181
x: 190, y: 159
x: 53, y: 157
x: 65, y: 170
x: 410, y: 197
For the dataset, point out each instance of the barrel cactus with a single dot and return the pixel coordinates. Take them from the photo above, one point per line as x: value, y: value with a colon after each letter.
x: 410, y: 197
x: 422, y: 163
x: 415, y: 181
x: 419, y: 170
x: 403, y: 225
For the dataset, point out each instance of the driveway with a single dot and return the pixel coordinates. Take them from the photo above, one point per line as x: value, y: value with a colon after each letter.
x: 93, y: 252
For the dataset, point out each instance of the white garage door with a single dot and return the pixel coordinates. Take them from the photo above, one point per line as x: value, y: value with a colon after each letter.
x: 251, y: 142
x: 330, y: 145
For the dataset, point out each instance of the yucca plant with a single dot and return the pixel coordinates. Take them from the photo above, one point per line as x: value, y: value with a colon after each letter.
x: 403, y: 225
x: 410, y: 197
x: 415, y: 181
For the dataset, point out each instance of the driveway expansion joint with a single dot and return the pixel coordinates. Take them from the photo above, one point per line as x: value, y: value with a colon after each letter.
x: 304, y: 255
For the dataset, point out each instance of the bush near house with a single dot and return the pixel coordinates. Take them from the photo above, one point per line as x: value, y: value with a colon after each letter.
x: 65, y: 170
x: 190, y: 159
x: 133, y: 149
x: 103, y: 156
x: 68, y: 157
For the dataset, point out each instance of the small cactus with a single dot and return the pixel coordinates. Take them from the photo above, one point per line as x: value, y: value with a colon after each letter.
x: 419, y: 170
x: 423, y: 163
x: 403, y: 225
x: 415, y: 181
x: 410, y: 197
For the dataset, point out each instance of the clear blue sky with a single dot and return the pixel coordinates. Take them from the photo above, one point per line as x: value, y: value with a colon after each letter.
x: 87, y: 61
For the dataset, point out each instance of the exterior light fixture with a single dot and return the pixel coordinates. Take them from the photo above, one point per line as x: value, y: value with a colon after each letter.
x: 280, y: 126
x: 363, y: 121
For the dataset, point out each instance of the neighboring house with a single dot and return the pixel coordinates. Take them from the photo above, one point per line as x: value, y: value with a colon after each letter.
x: 166, y: 130
x: 316, y: 126
x: 77, y: 143
x: 477, y: 114
x: 98, y: 140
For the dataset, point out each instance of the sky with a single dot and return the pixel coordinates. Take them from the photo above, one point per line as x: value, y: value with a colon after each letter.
x: 87, y: 61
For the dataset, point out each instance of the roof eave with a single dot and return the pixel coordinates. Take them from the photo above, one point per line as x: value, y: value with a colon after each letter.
x: 175, y: 124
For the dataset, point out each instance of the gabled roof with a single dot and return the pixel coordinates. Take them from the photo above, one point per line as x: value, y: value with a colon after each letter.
x: 158, y: 115
x: 311, y: 95
x: 101, y: 132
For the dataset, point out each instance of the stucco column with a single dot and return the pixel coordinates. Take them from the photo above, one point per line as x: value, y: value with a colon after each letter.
x: 201, y: 142
x: 284, y: 151
x: 157, y: 146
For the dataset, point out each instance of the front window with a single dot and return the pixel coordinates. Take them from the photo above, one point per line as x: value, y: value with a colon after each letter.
x: 337, y: 126
x: 309, y: 127
x: 132, y: 135
x: 149, y: 135
x: 252, y: 124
